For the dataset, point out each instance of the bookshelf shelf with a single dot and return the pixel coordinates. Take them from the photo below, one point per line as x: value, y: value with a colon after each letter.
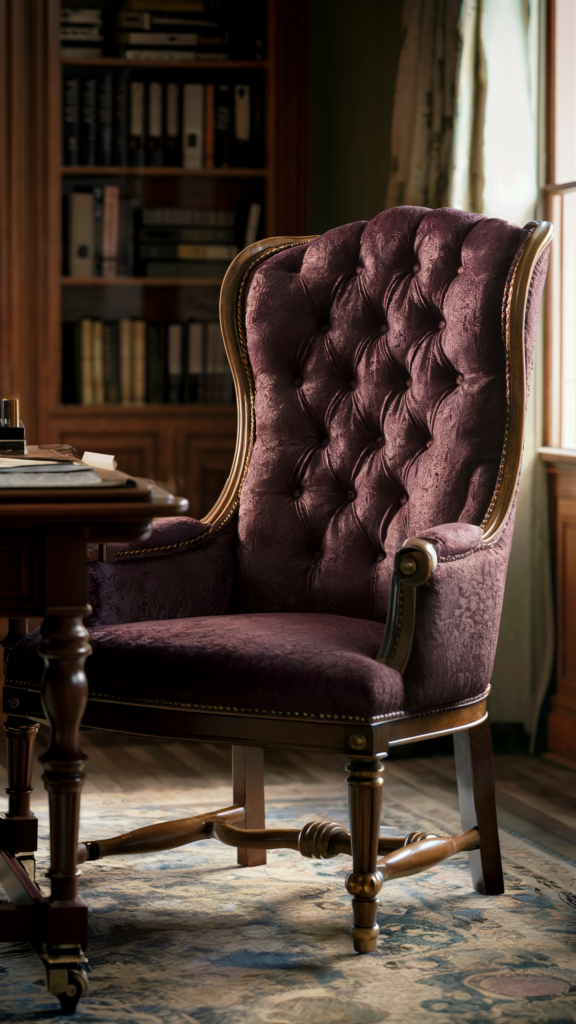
x: 147, y: 282
x: 166, y: 409
x: 167, y: 172
x: 122, y: 62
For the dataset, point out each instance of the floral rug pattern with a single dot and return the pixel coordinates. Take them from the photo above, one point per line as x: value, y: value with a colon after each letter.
x: 187, y: 937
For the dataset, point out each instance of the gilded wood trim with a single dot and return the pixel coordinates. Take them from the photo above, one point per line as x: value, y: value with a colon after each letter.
x: 232, y: 310
x: 519, y: 291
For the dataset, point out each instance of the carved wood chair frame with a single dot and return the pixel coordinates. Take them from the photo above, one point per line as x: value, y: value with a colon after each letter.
x: 366, y: 743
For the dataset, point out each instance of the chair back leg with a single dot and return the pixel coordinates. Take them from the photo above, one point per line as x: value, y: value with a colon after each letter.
x: 477, y: 798
x: 248, y: 792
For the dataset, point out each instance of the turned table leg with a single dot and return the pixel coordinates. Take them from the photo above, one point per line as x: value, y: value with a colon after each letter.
x: 364, y: 881
x: 65, y: 648
x: 19, y: 827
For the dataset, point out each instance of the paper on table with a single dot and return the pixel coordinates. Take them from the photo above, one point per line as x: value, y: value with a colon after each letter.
x: 10, y: 463
x: 99, y: 461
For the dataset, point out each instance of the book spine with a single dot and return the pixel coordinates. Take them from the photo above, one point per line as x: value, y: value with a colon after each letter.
x: 70, y: 389
x: 165, y: 235
x: 175, y: 55
x: 160, y: 39
x: 193, y: 126
x: 105, y: 120
x: 71, y: 127
x: 98, y: 228
x: 194, y: 362
x: 121, y: 119
x: 138, y: 362
x: 81, y: 234
x: 209, y: 126
x: 137, y: 122
x: 252, y: 224
x: 110, y: 231
x: 222, y: 127
x: 155, y: 363
x: 111, y: 361
x: 174, y: 362
x: 97, y: 363
x: 125, y: 343
x: 188, y: 252
x: 86, y: 361
x: 242, y: 123
x: 172, y: 137
x: 217, y: 375
x: 154, y: 149
x: 88, y: 123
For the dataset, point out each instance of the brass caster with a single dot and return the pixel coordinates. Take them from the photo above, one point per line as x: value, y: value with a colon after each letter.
x: 365, y: 939
x: 66, y: 979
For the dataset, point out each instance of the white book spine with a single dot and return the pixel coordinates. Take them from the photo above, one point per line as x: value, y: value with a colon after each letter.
x: 193, y: 127
x: 81, y: 234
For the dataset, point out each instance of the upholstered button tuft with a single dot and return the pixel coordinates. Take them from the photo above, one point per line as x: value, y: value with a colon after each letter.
x: 416, y: 268
x: 380, y: 557
x: 317, y: 556
x: 297, y: 493
x: 441, y: 325
x: 325, y: 328
x: 325, y: 442
x: 380, y: 441
x: 359, y: 270
x: 408, y: 383
x: 429, y: 443
x: 298, y: 381
x: 352, y: 385
x: 460, y: 270
x: 351, y: 495
x: 403, y: 499
x: 460, y: 378
x: 383, y: 328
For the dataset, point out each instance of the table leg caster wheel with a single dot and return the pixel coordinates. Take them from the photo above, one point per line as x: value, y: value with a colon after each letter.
x: 68, y: 982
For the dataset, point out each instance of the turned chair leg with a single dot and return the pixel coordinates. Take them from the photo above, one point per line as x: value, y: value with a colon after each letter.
x: 364, y: 882
x: 248, y: 792
x: 21, y: 826
x: 475, y: 772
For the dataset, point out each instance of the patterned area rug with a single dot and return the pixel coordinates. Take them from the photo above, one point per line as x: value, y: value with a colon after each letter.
x: 188, y: 938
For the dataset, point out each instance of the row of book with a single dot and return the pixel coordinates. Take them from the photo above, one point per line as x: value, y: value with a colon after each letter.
x: 177, y: 30
x: 123, y: 118
x: 110, y: 236
x: 132, y: 362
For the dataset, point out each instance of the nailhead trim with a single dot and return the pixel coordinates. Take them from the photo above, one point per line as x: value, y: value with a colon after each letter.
x: 165, y: 547
x: 260, y: 711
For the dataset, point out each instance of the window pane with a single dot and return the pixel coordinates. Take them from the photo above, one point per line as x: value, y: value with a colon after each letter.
x: 565, y: 92
x: 569, y: 321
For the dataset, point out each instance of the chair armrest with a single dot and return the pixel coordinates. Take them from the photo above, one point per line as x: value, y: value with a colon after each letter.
x: 183, y: 570
x: 414, y: 563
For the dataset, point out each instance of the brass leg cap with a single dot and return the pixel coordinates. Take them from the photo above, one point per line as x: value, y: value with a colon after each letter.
x: 365, y: 939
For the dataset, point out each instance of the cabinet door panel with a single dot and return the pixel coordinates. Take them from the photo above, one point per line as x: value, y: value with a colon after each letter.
x: 136, y: 453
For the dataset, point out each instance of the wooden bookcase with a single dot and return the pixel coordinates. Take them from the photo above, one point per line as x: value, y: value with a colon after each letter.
x: 188, y: 447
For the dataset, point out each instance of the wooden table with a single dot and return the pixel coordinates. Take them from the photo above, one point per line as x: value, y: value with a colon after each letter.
x: 44, y: 537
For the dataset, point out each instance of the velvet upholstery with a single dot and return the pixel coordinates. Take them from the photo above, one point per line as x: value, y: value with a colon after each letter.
x: 378, y: 353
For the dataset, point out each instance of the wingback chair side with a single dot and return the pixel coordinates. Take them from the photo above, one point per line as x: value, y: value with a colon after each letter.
x: 424, y: 565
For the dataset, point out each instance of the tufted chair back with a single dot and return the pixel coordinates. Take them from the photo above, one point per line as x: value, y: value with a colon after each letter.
x: 380, y: 371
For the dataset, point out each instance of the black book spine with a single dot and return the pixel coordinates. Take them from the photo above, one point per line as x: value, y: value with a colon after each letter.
x: 156, y: 363
x: 155, y: 133
x: 172, y: 125
x: 137, y: 125
x: 121, y: 119
x: 71, y: 128
x: 105, y: 120
x: 222, y: 132
x: 88, y: 123
x: 70, y: 365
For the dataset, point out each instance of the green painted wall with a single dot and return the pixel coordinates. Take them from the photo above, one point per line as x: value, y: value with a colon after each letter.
x: 355, y: 50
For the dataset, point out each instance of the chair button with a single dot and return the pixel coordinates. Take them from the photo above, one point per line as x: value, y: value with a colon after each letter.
x: 460, y: 378
x: 351, y: 495
x: 383, y: 328
x: 298, y: 381
x: 296, y: 493
x: 325, y: 328
x: 441, y: 325
x: 380, y: 557
x: 352, y: 385
x: 325, y: 442
x: 403, y: 499
x: 380, y: 441
x: 416, y: 268
x: 317, y: 556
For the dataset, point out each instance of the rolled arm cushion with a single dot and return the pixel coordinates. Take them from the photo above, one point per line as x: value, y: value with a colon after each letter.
x: 182, y: 570
x: 457, y: 617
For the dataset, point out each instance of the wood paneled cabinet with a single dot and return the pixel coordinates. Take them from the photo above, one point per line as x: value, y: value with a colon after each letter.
x: 187, y: 446
x: 561, y: 470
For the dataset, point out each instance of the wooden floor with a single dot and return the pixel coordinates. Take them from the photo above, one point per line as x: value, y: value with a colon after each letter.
x: 535, y: 797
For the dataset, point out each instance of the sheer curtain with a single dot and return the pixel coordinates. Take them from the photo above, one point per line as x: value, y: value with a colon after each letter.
x: 495, y: 172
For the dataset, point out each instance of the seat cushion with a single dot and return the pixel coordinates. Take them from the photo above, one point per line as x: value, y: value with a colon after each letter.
x: 285, y: 663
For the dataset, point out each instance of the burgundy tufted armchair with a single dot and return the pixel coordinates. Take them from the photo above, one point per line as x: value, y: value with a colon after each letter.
x: 345, y: 592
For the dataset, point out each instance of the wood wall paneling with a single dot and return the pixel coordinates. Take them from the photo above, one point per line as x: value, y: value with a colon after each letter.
x: 562, y: 718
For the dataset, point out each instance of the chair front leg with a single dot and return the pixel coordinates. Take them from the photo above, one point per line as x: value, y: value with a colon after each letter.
x: 477, y: 798
x: 364, y: 882
x: 248, y: 792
